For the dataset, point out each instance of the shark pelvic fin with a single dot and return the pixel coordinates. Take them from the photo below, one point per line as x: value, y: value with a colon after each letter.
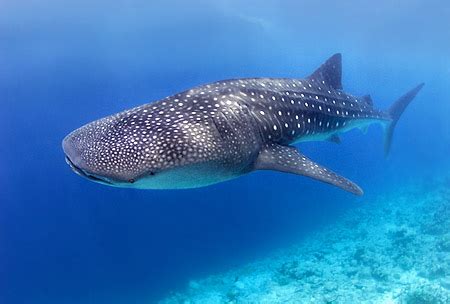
x: 364, y: 129
x: 330, y: 73
x: 290, y: 160
x: 335, y: 138
x: 395, y: 111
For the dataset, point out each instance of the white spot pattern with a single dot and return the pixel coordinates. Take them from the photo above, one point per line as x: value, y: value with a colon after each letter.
x: 223, y: 122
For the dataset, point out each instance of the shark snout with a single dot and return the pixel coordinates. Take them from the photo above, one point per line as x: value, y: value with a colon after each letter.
x: 73, y: 155
x: 72, y: 152
x: 86, y: 160
x: 75, y: 160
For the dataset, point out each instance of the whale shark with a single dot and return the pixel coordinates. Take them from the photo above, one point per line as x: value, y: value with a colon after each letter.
x: 222, y: 130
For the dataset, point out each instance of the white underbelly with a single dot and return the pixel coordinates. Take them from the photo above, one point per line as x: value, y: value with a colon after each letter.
x: 186, y: 177
x: 361, y: 124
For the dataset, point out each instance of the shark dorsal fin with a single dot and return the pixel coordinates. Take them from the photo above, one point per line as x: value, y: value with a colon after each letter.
x: 330, y: 72
x: 367, y: 99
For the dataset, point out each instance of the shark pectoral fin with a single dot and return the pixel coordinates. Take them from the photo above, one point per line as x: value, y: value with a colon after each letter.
x: 290, y: 160
x: 335, y: 138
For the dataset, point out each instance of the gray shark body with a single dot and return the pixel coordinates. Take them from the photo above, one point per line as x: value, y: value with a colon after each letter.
x: 225, y: 129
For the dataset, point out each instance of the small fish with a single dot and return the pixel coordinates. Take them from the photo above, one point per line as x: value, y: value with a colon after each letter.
x: 220, y: 131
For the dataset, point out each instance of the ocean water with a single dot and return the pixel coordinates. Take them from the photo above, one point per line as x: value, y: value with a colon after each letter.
x: 263, y: 238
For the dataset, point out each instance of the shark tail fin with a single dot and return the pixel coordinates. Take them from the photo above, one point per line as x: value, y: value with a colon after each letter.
x: 395, y: 111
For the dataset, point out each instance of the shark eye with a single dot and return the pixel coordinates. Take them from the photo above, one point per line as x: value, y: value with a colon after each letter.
x: 131, y: 180
x: 152, y: 173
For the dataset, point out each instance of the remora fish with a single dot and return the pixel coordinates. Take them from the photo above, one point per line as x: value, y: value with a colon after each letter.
x: 225, y: 129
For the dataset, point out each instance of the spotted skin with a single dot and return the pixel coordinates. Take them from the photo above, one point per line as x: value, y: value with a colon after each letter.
x: 288, y: 159
x: 220, y: 131
x: 289, y: 110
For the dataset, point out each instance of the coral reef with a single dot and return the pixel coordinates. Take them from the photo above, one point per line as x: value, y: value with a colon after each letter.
x: 392, y: 250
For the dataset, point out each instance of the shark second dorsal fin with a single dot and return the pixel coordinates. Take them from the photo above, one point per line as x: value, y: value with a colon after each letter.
x: 289, y: 159
x: 367, y: 99
x: 330, y: 72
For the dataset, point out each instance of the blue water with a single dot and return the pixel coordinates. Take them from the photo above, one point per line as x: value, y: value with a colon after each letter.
x: 64, y: 239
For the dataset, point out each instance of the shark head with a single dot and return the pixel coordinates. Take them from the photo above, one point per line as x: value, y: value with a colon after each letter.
x: 143, y: 148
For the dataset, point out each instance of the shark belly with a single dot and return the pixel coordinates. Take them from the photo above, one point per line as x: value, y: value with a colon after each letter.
x: 194, y: 176
x: 361, y: 124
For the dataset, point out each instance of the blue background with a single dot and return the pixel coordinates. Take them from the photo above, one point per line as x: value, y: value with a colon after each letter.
x: 64, y: 63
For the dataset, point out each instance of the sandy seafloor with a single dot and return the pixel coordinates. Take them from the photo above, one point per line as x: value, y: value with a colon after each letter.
x: 394, y: 249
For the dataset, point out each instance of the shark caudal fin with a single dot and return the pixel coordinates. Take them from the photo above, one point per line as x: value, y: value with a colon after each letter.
x: 395, y: 111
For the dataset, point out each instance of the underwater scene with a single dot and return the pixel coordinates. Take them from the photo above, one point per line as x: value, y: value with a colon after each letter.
x: 224, y: 152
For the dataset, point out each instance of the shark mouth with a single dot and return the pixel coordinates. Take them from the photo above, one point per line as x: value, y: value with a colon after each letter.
x: 85, y: 174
